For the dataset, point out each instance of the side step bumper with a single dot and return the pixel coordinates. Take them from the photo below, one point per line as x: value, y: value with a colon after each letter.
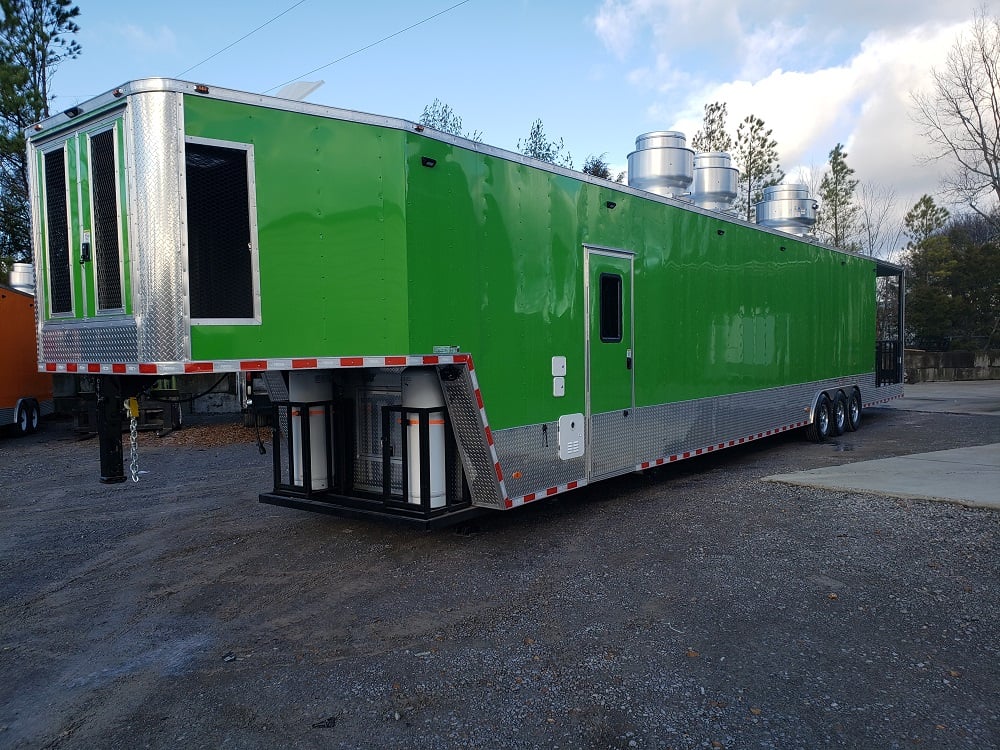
x: 352, y: 507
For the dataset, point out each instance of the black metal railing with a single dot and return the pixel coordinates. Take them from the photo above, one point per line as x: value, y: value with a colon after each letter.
x: 888, y: 363
x: 294, y: 436
x: 288, y: 414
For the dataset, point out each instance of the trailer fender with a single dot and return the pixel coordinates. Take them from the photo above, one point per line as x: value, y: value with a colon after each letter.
x: 820, y: 416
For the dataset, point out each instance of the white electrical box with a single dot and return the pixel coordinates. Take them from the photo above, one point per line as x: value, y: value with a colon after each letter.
x: 571, y: 441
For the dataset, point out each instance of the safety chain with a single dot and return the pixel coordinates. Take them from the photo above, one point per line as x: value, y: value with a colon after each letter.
x: 133, y: 439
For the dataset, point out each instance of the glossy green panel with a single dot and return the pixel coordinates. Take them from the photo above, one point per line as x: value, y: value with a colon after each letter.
x: 731, y: 312
x: 83, y: 219
x: 496, y: 267
x: 331, y: 240
x: 376, y: 241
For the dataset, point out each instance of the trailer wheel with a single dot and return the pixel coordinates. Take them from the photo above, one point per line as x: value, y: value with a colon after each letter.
x: 854, y: 410
x: 27, y: 418
x: 838, y: 414
x: 819, y: 429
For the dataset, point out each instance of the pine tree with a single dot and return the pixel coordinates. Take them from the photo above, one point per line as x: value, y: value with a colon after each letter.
x: 713, y: 135
x: 538, y: 146
x: 756, y: 157
x: 923, y: 220
x: 441, y: 116
x: 35, y: 37
x: 837, y: 221
x: 598, y: 167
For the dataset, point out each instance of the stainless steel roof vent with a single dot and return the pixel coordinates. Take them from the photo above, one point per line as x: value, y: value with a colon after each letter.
x: 716, y: 181
x: 22, y: 277
x: 787, y: 208
x: 661, y: 163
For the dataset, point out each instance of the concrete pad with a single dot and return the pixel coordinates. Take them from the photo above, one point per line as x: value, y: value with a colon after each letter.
x: 953, y: 397
x: 970, y: 476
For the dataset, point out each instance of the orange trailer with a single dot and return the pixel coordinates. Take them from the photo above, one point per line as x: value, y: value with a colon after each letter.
x: 25, y: 393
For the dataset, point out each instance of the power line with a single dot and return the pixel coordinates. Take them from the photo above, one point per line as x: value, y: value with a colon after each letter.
x: 369, y: 46
x: 251, y: 33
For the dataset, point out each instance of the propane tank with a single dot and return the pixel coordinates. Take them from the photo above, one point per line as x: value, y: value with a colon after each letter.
x: 310, y: 386
x: 421, y: 390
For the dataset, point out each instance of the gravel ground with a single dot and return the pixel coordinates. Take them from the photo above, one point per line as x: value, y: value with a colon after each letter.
x: 691, y: 607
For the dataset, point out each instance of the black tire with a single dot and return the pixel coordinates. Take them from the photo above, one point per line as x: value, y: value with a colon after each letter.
x: 838, y: 414
x: 819, y: 429
x: 26, y: 419
x: 854, y: 411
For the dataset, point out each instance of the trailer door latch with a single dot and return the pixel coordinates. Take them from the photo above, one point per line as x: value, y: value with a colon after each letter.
x: 628, y: 359
x: 85, y: 249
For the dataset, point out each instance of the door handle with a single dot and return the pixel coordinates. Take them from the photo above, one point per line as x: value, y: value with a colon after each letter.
x: 628, y: 359
x: 85, y: 249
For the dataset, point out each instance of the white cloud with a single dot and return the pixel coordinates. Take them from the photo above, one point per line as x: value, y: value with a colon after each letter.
x: 859, y: 95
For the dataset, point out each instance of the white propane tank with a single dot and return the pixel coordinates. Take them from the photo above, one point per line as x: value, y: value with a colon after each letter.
x: 421, y: 390
x: 312, y: 385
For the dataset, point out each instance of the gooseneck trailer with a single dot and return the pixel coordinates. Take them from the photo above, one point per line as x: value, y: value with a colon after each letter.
x: 443, y: 326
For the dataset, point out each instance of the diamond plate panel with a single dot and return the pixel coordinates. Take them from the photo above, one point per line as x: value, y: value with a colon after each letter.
x: 533, y: 452
x: 669, y: 429
x: 274, y: 383
x: 459, y: 395
x: 155, y: 210
x: 611, y: 442
x: 104, y: 342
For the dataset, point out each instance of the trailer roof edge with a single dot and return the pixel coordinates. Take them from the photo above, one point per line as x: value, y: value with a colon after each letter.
x: 103, y: 101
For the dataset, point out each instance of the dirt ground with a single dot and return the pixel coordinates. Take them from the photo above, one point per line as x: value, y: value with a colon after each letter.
x: 692, y: 607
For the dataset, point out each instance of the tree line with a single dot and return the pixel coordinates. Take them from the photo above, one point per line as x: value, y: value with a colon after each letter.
x: 952, y: 261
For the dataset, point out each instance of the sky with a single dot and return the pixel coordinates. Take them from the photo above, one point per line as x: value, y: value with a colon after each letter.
x: 596, y: 72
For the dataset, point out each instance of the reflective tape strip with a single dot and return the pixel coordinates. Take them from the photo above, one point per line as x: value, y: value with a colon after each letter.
x: 256, y: 365
x: 548, y: 492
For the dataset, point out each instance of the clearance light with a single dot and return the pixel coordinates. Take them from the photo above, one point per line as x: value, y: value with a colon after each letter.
x: 428, y: 162
x: 201, y: 88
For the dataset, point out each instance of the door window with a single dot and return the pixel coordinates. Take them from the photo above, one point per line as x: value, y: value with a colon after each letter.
x: 611, y: 308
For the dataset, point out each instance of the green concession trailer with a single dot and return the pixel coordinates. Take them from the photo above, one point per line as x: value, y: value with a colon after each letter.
x: 443, y: 326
